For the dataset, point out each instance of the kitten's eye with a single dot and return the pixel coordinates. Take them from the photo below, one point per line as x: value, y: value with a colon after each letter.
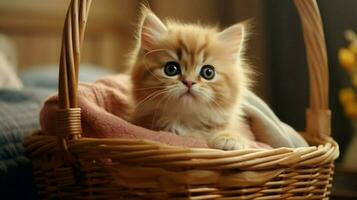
x: 172, y: 68
x: 207, y: 72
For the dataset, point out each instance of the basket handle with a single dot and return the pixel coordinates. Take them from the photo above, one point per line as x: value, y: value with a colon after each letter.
x: 318, y: 116
x: 68, y: 115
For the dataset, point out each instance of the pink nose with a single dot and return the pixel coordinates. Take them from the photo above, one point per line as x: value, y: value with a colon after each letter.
x: 188, y: 84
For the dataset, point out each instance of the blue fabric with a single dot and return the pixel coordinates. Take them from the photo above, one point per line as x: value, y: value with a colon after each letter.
x: 47, y: 76
x: 18, y: 118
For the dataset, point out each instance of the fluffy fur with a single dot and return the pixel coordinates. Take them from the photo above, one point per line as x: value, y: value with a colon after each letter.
x: 210, y: 109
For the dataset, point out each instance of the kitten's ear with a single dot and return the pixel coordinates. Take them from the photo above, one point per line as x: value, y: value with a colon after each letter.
x: 152, y: 29
x: 233, y: 38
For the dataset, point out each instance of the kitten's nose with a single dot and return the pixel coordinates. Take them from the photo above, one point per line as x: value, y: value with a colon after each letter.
x: 188, y: 84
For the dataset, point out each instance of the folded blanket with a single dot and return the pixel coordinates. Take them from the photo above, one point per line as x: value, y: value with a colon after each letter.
x: 267, y: 127
x: 105, y: 109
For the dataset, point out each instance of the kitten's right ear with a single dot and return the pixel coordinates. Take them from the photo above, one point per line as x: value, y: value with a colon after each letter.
x: 151, y: 30
x: 233, y: 37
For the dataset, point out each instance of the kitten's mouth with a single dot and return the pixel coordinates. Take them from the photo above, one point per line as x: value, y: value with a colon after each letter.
x: 188, y: 93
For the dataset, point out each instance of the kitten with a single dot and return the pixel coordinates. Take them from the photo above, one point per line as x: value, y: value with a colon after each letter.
x: 189, y: 79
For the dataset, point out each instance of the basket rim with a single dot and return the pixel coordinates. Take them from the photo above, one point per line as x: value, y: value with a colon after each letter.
x: 153, y: 153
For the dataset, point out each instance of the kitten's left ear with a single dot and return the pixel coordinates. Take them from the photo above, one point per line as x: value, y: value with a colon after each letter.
x: 152, y: 29
x: 233, y: 38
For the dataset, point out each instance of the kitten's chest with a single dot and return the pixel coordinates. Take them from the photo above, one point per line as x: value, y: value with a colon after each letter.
x: 191, y: 122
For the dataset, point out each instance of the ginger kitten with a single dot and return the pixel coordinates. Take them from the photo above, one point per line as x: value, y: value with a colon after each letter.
x: 189, y: 79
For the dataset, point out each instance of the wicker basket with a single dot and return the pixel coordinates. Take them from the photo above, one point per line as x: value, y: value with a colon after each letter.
x: 68, y: 166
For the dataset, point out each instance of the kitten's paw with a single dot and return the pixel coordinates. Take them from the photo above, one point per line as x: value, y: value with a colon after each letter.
x: 226, y: 142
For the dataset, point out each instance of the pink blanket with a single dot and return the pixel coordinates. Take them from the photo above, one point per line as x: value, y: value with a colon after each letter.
x: 105, y: 108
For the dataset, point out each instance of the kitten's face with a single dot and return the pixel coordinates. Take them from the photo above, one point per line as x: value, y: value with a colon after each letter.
x: 187, y: 67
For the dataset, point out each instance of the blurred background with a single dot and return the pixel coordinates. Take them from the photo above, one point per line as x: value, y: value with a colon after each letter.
x: 32, y: 32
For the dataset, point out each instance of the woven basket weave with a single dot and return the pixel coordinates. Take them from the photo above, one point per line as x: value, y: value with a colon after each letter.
x: 68, y: 166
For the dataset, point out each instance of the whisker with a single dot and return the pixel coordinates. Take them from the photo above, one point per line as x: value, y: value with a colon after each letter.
x: 147, y: 88
x: 156, y: 110
x: 167, y: 97
x: 216, y: 110
x: 151, y: 96
x: 210, y: 98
